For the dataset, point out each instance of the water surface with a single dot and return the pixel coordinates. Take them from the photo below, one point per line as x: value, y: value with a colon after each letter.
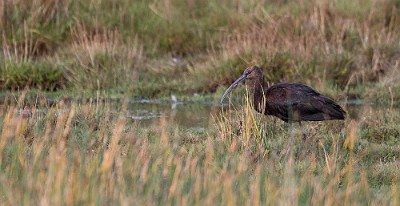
x: 186, y: 114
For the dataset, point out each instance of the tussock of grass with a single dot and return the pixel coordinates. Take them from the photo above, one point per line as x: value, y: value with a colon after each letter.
x: 100, y: 61
x: 19, y: 68
x: 17, y: 75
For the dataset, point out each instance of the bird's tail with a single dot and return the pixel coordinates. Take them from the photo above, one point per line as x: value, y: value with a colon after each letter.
x: 333, y: 110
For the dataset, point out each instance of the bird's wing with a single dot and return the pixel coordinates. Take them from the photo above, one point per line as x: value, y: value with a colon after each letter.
x: 301, y: 101
x: 328, y: 107
x: 281, y: 98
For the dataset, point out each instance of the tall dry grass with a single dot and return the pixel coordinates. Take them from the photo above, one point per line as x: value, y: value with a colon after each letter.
x: 86, y: 154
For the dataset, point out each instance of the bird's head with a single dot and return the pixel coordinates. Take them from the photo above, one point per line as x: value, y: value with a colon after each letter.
x: 252, y: 73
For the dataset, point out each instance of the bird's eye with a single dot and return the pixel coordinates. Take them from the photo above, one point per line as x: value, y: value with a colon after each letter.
x: 248, y: 72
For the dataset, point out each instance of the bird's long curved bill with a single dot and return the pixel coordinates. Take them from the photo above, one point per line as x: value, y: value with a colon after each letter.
x: 233, y: 85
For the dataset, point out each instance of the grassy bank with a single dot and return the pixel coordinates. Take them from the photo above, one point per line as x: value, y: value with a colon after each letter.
x: 158, y: 48
x: 87, y: 154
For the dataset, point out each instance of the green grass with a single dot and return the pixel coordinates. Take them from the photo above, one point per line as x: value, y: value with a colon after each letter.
x: 38, y: 74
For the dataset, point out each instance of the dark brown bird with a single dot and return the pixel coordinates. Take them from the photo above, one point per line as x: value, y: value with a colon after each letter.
x: 291, y: 102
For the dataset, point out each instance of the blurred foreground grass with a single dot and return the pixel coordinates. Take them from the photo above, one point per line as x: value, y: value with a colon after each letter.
x: 162, y: 47
x: 87, y: 154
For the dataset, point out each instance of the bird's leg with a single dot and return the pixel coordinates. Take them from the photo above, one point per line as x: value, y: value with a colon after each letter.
x: 301, y: 149
x: 302, y: 131
x: 291, y: 140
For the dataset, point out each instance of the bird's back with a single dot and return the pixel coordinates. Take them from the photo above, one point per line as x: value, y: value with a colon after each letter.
x: 298, y: 102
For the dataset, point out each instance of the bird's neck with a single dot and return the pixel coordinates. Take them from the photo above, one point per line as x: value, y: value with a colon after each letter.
x: 256, y: 93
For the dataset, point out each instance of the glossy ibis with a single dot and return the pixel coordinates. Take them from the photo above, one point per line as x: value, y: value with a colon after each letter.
x: 291, y: 102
